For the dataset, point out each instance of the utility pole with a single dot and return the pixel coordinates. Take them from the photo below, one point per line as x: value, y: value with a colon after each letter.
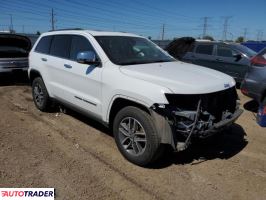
x: 22, y: 28
x: 11, y: 24
x: 205, y: 26
x: 226, y: 19
x: 245, y: 34
x: 53, y: 19
x: 163, y: 31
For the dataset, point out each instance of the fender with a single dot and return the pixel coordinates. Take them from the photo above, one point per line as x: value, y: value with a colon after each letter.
x: 143, y: 103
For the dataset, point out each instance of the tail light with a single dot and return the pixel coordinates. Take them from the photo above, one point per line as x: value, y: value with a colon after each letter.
x: 258, y: 61
x: 244, y: 91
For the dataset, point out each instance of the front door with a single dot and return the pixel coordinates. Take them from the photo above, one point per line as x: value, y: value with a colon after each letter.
x: 83, y: 81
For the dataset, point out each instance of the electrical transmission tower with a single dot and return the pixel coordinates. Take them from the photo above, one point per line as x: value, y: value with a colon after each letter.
x: 245, y: 34
x: 11, y: 28
x: 226, y: 25
x: 205, y: 26
x: 259, y: 35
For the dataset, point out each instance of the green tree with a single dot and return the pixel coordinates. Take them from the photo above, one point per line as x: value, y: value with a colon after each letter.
x: 240, y: 39
x: 38, y: 33
x: 208, y: 37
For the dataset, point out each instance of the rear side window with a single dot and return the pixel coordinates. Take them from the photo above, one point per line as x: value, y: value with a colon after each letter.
x: 205, y: 49
x: 225, y: 51
x: 44, y: 45
x: 60, y: 46
x: 191, y: 48
x: 79, y: 44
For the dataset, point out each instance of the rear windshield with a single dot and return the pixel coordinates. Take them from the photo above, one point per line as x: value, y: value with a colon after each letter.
x: 245, y: 50
x: 13, y: 46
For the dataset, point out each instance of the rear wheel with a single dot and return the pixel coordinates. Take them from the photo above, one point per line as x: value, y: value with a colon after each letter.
x: 136, y: 136
x: 40, y: 95
x: 264, y: 101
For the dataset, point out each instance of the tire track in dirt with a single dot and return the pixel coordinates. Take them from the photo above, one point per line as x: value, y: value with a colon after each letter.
x: 86, y: 147
x: 23, y: 110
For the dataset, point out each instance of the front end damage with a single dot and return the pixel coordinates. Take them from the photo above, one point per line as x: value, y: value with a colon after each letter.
x: 196, y: 115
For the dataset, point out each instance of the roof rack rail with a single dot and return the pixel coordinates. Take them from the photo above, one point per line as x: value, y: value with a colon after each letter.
x: 67, y: 29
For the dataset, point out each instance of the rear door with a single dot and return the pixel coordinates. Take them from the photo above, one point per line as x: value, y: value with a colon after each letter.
x: 55, y: 62
x: 230, y: 64
x: 203, y: 55
x: 40, y: 59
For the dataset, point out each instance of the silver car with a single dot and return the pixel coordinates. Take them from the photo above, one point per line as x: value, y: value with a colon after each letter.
x: 254, y: 84
x: 14, y: 51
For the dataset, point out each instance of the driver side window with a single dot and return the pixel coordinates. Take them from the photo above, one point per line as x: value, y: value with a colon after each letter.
x: 79, y: 44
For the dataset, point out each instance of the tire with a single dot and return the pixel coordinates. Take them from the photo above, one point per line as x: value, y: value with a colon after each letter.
x: 40, y: 95
x: 141, y: 145
x: 264, y: 101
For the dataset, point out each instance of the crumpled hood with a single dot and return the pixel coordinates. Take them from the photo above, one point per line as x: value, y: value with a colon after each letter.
x: 180, y: 78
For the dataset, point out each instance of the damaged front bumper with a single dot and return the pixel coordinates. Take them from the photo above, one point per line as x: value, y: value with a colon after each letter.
x: 224, y: 123
x: 177, y: 125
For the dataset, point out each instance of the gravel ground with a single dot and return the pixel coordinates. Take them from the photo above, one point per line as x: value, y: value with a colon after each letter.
x: 78, y: 157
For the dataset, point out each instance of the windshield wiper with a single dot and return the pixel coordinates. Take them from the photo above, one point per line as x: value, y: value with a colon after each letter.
x: 159, y: 61
x: 132, y: 63
x: 144, y: 62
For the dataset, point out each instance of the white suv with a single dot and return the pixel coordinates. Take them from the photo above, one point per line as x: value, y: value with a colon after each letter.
x: 148, y: 98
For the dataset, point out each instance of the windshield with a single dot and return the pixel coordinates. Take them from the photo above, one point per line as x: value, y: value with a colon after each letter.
x: 247, y: 51
x: 125, y: 50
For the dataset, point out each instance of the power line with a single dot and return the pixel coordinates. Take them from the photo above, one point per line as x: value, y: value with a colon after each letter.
x: 70, y: 15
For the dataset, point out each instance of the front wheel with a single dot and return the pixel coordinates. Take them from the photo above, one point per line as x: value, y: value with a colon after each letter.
x: 136, y: 136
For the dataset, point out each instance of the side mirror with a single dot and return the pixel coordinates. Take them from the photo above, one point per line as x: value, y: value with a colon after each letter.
x: 237, y: 57
x: 87, y: 57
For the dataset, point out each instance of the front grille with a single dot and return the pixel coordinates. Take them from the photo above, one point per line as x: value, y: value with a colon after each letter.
x: 214, y: 103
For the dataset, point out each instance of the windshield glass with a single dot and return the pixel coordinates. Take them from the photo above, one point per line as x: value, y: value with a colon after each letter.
x: 125, y: 50
x: 247, y: 51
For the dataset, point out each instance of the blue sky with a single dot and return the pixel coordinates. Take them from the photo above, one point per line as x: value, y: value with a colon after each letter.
x: 145, y: 17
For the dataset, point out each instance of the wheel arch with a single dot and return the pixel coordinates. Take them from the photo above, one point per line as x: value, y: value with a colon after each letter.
x: 34, y: 74
x: 163, y: 127
x: 121, y: 102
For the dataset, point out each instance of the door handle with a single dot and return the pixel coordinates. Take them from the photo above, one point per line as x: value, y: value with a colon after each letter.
x: 44, y: 59
x: 67, y: 66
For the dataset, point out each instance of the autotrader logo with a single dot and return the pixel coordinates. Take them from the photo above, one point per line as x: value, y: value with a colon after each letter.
x: 27, y: 193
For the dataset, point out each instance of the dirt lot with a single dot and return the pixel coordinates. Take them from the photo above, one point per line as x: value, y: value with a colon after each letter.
x: 79, y: 158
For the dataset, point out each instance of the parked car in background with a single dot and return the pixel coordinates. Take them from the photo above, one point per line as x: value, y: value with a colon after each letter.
x: 134, y: 87
x: 254, y: 84
x: 256, y: 46
x: 14, y: 51
x: 230, y: 58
